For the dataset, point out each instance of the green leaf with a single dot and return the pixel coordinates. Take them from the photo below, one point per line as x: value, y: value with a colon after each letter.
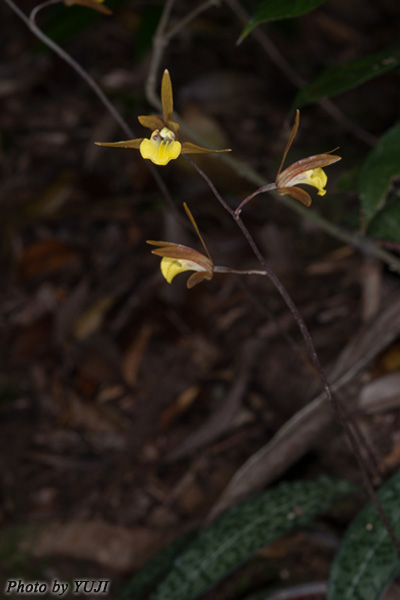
x: 336, y: 80
x: 273, y: 10
x: 145, y: 580
x: 381, y: 167
x: 243, y: 530
x: 367, y: 561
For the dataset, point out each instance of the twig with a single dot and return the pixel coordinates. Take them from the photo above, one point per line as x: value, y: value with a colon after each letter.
x: 159, y: 44
x: 160, y: 41
x: 337, y: 406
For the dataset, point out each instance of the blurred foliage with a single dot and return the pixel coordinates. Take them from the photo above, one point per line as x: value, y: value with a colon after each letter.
x: 367, y: 562
x: 274, y: 10
x: 377, y: 176
x: 339, y: 79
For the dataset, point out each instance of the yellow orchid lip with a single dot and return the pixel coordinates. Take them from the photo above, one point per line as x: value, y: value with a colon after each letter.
x: 161, y: 147
x: 176, y: 259
x: 315, y: 177
x: 171, y: 267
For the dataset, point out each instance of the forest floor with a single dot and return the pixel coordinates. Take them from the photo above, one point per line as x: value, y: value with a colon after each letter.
x: 127, y: 405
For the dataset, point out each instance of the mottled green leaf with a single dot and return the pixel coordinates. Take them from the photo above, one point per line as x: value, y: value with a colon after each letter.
x: 244, y: 529
x: 335, y: 80
x: 274, y: 10
x: 381, y: 167
x: 367, y: 561
x: 147, y: 578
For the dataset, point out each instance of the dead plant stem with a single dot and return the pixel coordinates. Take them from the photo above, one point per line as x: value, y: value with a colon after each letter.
x: 161, y: 39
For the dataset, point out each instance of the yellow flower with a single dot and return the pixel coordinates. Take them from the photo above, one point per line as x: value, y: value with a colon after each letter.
x: 163, y: 145
x: 94, y: 4
x: 177, y: 259
x: 306, y: 171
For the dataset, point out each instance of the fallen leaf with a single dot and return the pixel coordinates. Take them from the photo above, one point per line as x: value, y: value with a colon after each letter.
x: 181, y: 404
x: 92, y: 319
x: 133, y: 355
x: 46, y: 257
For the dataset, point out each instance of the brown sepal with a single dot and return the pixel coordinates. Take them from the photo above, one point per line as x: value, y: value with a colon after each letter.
x: 189, y: 148
x: 128, y: 144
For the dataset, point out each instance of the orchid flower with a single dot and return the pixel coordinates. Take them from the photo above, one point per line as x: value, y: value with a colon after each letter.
x: 163, y: 145
x: 306, y: 171
x: 178, y: 259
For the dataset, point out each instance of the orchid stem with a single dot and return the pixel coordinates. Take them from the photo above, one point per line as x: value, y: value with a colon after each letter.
x: 265, y: 188
x: 367, y: 470
x: 217, y: 269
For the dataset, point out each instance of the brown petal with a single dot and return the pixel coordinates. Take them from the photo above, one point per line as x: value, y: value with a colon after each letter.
x: 127, y: 144
x: 296, y: 193
x: 152, y: 122
x: 189, y: 148
x: 305, y: 164
x: 196, y: 278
